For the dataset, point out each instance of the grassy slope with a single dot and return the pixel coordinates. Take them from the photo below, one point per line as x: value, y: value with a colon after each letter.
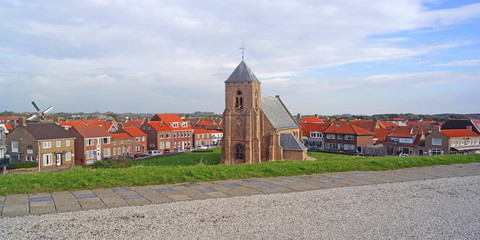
x: 194, y: 167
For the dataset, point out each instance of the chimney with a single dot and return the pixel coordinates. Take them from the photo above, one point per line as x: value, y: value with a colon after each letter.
x: 316, y: 115
x: 21, y: 122
x: 436, y: 129
x: 299, y: 115
x: 277, y: 96
x: 147, y: 120
x: 469, y: 128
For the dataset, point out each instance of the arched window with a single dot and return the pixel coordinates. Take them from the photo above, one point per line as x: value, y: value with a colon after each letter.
x: 239, y: 152
x: 239, y: 103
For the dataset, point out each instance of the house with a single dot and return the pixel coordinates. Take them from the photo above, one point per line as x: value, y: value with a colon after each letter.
x: 139, y: 139
x: 462, y: 124
x: 182, y: 132
x: 386, y: 125
x: 452, y: 141
x: 3, y: 140
x: 347, y: 137
x: 365, y: 124
x: 206, y: 137
x: 92, y: 143
x: 159, y: 135
x: 134, y: 123
x: 46, y: 143
x: 108, y: 126
x: 404, y: 142
x: 121, y: 144
x: 257, y: 128
x: 312, y: 134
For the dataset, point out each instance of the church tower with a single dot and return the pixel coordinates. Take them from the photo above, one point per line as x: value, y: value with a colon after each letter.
x: 241, y: 132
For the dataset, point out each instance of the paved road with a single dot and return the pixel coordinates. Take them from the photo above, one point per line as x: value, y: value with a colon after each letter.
x: 443, y: 208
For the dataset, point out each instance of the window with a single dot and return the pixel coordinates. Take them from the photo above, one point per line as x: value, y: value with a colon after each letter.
x: 184, y: 124
x: 167, y: 144
x: 437, y: 141
x: 137, y: 139
x: 330, y: 136
x: 68, y: 156
x: 167, y: 135
x: 90, y: 154
x: 349, y: 137
x: 114, y: 151
x: 67, y: 143
x: 47, y: 159
x: 162, y: 145
x: 90, y: 141
x: 238, y: 103
x: 47, y: 144
x: 160, y: 136
x: 29, y: 158
x: 137, y: 148
x: 14, y: 146
x: 239, y: 152
x: 152, y: 145
x: 437, y: 151
x: 174, y: 135
x: 349, y: 147
x: 59, y: 144
x: 175, y: 125
x: 406, y: 150
x: 106, y: 140
x: 129, y: 141
x: 316, y: 135
x: 340, y: 136
x: 143, y: 139
x: 106, y: 152
x: 114, y: 142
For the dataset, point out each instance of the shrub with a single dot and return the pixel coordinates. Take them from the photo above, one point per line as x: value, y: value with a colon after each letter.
x: 105, y: 164
x: 22, y: 165
x: 203, y: 150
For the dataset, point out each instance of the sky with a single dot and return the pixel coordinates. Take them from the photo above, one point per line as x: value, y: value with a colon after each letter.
x: 325, y: 57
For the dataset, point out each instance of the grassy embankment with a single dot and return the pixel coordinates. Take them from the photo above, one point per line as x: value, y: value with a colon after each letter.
x: 196, y: 167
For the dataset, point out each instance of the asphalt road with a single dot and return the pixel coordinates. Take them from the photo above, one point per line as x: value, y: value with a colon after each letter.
x: 447, y: 208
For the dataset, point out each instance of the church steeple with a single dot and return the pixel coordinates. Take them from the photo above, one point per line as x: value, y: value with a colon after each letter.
x: 242, y: 74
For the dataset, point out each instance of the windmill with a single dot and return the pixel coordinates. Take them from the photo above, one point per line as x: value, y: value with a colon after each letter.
x: 39, y: 114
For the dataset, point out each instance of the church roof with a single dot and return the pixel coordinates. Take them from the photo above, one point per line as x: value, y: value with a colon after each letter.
x: 242, y: 74
x: 291, y: 143
x: 277, y: 113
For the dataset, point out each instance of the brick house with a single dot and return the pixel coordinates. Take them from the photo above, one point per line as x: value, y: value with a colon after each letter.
x: 139, y: 139
x: 182, y: 132
x: 159, y: 135
x: 92, y: 143
x: 452, y: 141
x: 206, y: 137
x: 404, y: 141
x: 312, y: 134
x: 46, y: 143
x: 121, y: 144
x: 3, y: 140
x: 347, y: 137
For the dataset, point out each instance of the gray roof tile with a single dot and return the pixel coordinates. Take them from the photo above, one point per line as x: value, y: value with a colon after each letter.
x: 291, y: 143
x: 43, y: 131
x: 277, y: 113
x: 242, y: 74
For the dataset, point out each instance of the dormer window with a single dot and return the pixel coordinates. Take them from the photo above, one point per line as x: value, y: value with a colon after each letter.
x: 184, y: 124
x: 175, y: 125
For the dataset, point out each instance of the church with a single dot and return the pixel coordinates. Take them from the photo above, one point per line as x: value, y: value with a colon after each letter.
x: 257, y: 128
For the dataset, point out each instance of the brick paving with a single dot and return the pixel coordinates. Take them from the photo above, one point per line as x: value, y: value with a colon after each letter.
x: 45, y: 203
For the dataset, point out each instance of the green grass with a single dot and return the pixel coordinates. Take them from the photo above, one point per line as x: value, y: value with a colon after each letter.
x: 197, y: 167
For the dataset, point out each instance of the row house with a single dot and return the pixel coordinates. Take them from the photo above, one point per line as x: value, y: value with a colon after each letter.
x: 347, y: 137
x: 139, y: 139
x: 92, y: 143
x: 312, y: 134
x: 206, y: 137
x: 182, y: 132
x: 452, y: 141
x: 121, y: 144
x: 46, y: 143
x: 159, y: 135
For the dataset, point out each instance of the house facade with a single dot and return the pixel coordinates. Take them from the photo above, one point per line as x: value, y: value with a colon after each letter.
x: 92, y: 143
x: 206, y: 137
x: 452, y: 141
x: 46, y: 143
x: 139, y: 139
x: 182, y: 132
x: 121, y: 144
x: 347, y: 137
x: 159, y: 135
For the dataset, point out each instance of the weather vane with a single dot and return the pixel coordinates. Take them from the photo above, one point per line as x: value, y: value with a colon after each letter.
x: 243, y: 49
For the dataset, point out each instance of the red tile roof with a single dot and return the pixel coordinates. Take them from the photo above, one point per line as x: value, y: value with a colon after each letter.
x: 203, y: 131
x: 106, y: 126
x: 134, y: 123
x: 347, y: 129
x: 312, y: 119
x: 387, y: 124
x: 307, y: 128
x: 91, y: 131
x: 8, y: 127
x: 459, y: 133
x: 73, y: 123
x: 205, y: 123
x: 365, y: 124
x: 381, y: 134
x: 95, y: 122
x: 398, y: 119
x: 134, y: 131
x: 116, y: 136
x: 160, y: 126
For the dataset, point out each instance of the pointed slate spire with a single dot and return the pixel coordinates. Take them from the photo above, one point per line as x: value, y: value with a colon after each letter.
x: 242, y: 74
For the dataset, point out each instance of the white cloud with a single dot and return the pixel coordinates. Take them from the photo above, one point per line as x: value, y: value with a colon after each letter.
x: 470, y: 62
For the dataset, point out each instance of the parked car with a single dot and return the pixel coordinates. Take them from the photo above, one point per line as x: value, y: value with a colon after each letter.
x: 202, y: 147
x: 166, y: 151
x: 109, y: 158
x: 179, y: 150
x: 313, y: 149
x: 139, y: 155
x: 126, y: 156
x: 153, y: 152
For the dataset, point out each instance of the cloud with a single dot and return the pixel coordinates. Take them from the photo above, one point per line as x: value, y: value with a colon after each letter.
x: 470, y: 62
x: 85, y: 54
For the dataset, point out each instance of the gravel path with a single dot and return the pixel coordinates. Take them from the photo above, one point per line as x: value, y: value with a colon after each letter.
x: 447, y: 208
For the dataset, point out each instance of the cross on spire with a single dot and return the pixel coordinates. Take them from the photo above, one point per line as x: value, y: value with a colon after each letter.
x: 243, y: 49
